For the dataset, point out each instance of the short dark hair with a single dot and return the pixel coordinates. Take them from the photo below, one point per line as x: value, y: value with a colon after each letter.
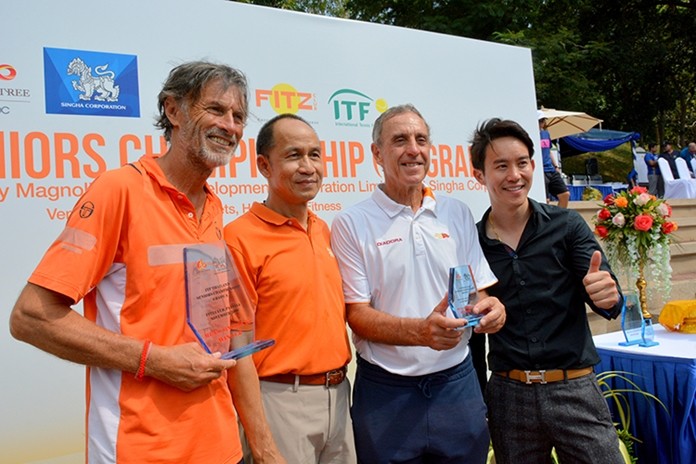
x: 492, y: 129
x: 186, y: 81
x: 390, y: 113
x: 265, y: 140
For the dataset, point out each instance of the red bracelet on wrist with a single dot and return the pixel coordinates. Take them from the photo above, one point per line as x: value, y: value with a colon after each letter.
x: 143, y: 359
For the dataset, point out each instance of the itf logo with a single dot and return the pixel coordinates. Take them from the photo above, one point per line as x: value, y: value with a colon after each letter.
x: 7, y: 72
x: 351, y: 108
x: 284, y: 98
x: 91, y: 83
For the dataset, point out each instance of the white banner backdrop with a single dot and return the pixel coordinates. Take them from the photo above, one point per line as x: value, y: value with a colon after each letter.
x: 78, y: 86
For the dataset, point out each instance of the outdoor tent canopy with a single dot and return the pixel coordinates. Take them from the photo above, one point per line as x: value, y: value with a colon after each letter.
x: 594, y: 140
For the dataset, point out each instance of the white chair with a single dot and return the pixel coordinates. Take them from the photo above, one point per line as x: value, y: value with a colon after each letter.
x: 682, y: 169
x: 676, y: 188
x: 693, y: 165
x: 665, y: 170
x: 642, y: 170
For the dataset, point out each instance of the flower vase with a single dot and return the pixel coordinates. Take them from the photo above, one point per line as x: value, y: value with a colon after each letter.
x: 642, y: 284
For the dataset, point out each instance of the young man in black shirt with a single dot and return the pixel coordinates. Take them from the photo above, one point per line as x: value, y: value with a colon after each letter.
x: 543, y: 392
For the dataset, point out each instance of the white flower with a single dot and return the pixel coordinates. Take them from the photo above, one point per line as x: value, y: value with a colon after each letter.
x: 642, y: 199
x: 663, y: 209
x: 619, y: 220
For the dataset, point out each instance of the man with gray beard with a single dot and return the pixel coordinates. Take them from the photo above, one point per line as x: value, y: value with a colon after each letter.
x: 153, y: 393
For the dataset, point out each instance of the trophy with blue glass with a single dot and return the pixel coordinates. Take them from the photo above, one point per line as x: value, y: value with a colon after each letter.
x: 463, y: 294
x: 636, y: 329
x: 631, y: 320
x: 218, y: 308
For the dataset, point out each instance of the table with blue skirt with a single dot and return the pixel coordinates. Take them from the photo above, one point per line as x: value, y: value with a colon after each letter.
x: 576, y: 191
x: 668, y: 371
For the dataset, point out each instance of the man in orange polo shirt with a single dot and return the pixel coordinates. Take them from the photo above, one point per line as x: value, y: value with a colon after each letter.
x: 153, y: 394
x: 283, y: 252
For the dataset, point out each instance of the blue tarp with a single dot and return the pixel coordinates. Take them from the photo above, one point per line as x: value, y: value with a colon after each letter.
x: 595, y: 140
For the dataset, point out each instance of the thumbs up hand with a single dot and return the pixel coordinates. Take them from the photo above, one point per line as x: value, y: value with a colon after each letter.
x: 599, y: 285
x: 595, y: 262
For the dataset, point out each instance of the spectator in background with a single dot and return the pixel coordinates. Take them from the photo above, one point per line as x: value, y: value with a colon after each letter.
x: 632, y: 179
x: 669, y: 154
x: 552, y: 172
x: 655, y: 184
x: 688, y: 153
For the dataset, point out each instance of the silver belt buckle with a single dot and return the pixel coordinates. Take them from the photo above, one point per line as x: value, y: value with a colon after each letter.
x: 541, y: 377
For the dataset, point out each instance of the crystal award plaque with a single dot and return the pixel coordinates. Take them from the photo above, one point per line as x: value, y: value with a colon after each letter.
x: 218, y: 309
x: 648, y: 338
x: 636, y: 329
x: 631, y: 320
x: 463, y: 294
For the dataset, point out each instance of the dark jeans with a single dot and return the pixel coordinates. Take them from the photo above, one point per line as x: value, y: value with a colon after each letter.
x: 431, y: 419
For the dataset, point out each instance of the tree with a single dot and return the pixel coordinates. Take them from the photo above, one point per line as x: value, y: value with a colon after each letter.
x: 631, y: 63
x: 334, y: 8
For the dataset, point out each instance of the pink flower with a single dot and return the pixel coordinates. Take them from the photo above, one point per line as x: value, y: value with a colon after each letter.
x: 643, y: 222
x: 619, y: 220
x: 642, y: 199
x: 664, y: 209
x: 638, y: 189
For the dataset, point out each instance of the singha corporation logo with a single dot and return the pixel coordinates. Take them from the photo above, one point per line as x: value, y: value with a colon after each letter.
x: 91, y: 83
x: 102, y: 83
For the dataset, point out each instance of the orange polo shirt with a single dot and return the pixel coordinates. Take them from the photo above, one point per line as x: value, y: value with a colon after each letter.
x: 294, y: 281
x: 122, y: 251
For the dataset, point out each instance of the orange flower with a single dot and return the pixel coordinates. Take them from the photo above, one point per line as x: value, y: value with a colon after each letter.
x: 621, y: 202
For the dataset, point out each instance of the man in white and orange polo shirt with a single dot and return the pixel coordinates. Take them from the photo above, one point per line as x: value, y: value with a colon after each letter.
x: 153, y: 393
x: 416, y: 397
x: 282, y: 250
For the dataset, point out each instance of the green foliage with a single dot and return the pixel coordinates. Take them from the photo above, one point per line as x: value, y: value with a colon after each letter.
x: 334, y: 8
x: 631, y: 63
x: 614, y: 165
x: 617, y: 397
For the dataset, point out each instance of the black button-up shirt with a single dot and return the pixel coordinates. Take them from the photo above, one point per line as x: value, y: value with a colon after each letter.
x: 540, y: 284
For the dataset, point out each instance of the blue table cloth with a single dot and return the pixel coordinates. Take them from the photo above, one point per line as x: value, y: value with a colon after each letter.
x: 576, y: 191
x: 669, y: 372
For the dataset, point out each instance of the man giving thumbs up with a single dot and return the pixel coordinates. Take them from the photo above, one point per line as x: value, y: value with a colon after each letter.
x: 543, y: 392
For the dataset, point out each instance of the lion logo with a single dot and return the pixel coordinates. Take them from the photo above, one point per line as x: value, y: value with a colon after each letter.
x: 102, y: 83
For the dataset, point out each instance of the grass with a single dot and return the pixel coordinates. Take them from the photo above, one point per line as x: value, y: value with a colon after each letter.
x: 614, y: 164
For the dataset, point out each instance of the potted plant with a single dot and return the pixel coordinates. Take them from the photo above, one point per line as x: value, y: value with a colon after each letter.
x: 636, y: 228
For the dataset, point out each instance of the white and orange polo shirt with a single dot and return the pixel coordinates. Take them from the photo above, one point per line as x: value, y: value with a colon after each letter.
x: 122, y: 252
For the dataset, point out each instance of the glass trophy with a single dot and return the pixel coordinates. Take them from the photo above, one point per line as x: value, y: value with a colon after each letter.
x: 631, y: 320
x: 218, y: 309
x: 636, y: 329
x: 462, y: 294
x: 648, y: 338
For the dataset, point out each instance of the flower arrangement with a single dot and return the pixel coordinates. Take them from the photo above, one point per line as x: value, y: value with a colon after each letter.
x: 637, y: 228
